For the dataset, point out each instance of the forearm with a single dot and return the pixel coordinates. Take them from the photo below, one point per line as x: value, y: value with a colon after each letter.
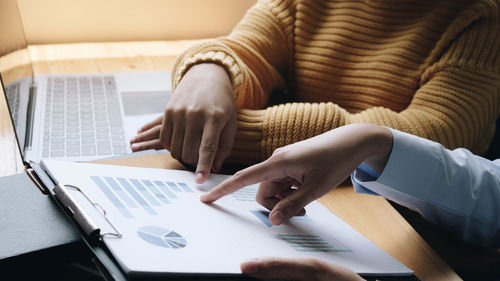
x: 260, y: 132
x: 256, y: 55
x: 454, y: 189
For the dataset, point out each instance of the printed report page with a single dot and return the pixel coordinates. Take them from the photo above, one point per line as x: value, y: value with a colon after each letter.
x: 166, y: 229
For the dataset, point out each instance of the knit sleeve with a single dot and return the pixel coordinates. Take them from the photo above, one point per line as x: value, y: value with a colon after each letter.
x: 257, y: 54
x: 458, y: 100
x: 456, y: 104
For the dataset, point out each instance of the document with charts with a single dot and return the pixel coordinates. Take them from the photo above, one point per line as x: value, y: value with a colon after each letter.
x: 167, y: 230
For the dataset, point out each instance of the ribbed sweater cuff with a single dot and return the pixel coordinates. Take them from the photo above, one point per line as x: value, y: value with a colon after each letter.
x: 209, y: 52
x: 247, y: 143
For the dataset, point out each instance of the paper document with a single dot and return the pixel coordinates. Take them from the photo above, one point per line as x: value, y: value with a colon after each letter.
x: 166, y: 229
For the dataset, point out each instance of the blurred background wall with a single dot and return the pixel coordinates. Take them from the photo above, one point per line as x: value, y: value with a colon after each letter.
x: 65, y: 21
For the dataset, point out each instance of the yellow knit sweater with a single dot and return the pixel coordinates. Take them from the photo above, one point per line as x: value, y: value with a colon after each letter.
x: 426, y: 67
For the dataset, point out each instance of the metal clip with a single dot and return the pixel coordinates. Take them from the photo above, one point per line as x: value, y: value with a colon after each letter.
x: 81, y: 217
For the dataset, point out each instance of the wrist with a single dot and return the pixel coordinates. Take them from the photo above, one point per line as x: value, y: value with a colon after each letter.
x: 378, y: 142
x: 211, y: 73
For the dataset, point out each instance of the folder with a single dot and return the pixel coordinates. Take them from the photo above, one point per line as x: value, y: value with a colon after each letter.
x: 29, y: 220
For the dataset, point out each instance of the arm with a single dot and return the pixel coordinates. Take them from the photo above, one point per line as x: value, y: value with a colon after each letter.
x: 314, y: 166
x: 212, y: 79
x: 459, y: 89
x: 455, y: 189
x: 257, y: 54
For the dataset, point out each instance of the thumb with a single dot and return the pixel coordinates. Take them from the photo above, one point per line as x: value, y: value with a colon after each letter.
x: 277, y: 268
x: 297, y: 269
x: 291, y: 205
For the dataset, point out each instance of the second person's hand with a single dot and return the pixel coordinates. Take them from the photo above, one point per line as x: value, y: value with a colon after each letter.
x: 299, y: 173
x: 199, y: 123
x: 298, y: 269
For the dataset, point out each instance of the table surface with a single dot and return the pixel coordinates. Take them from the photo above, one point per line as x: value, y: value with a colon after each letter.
x: 372, y: 216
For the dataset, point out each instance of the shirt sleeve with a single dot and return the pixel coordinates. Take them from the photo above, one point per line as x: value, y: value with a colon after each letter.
x: 454, y: 189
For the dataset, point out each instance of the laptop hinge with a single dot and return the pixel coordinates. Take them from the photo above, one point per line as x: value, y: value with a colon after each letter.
x: 30, y: 117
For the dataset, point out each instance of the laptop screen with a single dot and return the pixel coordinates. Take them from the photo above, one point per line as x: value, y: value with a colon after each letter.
x: 15, y: 66
x: 16, y: 81
x: 10, y: 143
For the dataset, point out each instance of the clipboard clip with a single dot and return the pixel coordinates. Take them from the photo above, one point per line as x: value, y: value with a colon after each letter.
x: 86, y: 223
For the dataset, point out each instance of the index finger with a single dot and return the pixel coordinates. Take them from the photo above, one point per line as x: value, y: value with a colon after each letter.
x: 207, y: 150
x: 251, y: 175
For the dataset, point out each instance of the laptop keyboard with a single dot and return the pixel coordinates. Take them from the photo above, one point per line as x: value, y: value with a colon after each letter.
x: 13, y: 94
x: 82, y: 118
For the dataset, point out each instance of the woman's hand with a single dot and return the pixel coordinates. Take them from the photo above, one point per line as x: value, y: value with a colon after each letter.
x: 199, y: 123
x: 299, y: 173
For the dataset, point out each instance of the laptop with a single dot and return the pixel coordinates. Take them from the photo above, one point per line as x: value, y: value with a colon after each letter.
x: 84, y: 117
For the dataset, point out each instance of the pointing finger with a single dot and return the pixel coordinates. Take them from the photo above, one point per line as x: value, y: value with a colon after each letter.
x: 251, y: 175
x: 208, y: 148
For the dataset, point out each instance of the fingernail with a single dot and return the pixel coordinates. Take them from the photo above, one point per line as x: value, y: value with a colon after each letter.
x: 132, y: 140
x: 198, y: 177
x: 277, y: 217
x: 251, y: 266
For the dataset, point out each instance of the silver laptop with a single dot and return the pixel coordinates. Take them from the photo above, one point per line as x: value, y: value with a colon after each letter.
x: 84, y: 117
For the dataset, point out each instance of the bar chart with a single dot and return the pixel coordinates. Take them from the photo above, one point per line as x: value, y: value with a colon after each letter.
x: 127, y: 194
x: 312, y: 243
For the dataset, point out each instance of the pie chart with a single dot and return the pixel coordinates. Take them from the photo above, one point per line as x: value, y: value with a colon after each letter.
x: 161, y: 237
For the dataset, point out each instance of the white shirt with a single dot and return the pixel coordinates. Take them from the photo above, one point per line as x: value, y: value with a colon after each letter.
x: 456, y: 190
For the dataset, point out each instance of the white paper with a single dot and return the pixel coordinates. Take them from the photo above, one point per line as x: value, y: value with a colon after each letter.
x: 185, y: 235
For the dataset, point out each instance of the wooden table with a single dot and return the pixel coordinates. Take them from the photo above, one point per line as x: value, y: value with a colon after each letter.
x: 372, y: 216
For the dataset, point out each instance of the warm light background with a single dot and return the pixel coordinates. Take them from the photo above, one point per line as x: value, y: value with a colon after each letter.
x: 66, y: 21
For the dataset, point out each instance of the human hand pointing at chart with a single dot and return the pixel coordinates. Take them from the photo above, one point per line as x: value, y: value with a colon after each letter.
x: 299, y: 173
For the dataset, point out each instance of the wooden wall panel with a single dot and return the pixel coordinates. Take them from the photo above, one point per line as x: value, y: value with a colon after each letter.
x: 63, y: 21
x: 11, y: 28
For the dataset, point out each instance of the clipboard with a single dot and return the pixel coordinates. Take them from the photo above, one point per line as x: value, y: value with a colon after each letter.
x: 91, y: 234
x: 236, y: 228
